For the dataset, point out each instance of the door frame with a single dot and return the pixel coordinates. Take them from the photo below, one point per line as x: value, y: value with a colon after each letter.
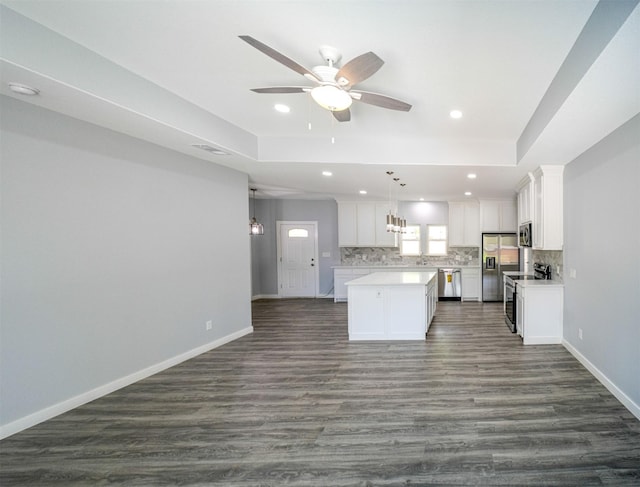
x: 279, y: 224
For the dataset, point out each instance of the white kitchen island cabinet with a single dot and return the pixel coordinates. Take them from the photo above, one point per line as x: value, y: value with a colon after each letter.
x: 391, y: 305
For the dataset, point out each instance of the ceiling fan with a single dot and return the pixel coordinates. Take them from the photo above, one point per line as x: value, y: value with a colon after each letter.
x: 333, y: 90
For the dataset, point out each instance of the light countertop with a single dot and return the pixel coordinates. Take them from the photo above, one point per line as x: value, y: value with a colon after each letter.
x: 532, y: 282
x: 393, y: 279
x: 517, y: 273
x: 401, y: 267
x: 540, y: 283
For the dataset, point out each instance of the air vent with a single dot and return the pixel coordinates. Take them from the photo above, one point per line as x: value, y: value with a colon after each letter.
x: 213, y: 150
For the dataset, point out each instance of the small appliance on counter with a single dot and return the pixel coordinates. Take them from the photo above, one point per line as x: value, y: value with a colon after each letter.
x: 540, y: 271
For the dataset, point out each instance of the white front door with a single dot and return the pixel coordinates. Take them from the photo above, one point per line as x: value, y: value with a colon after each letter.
x: 298, y: 260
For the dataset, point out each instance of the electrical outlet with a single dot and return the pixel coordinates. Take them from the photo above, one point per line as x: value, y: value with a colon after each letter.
x: 572, y: 273
x: 209, y: 325
x: 580, y: 333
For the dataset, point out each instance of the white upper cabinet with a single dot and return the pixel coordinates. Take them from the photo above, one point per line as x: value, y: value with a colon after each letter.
x: 347, y: 224
x: 464, y: 224
x: 384, y: 238
x: 498, y: 216
x: 547, y: 208
x: 364, y: 224
x: 525, y: 199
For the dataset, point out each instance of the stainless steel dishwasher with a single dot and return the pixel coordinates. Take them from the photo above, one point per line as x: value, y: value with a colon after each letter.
x: 449, y: 284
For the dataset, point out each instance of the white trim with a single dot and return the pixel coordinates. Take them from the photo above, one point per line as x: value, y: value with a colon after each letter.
x: 265, y: 296
x: 275, y: 296
x: 542, y: 340
x: 279, y: 223
x: 74, y: 402
x: 598, y: 374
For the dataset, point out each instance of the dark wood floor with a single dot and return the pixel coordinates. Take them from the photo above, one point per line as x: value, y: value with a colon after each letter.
x: 296, y: 404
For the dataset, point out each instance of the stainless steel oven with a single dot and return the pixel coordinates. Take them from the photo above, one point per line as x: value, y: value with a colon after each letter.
x: 540, y: 271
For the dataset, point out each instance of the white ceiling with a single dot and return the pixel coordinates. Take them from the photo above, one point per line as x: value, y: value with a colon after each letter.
x: 175, y: 73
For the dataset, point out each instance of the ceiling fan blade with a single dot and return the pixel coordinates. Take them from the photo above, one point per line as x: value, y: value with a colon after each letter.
x: 342, y: 115
x: 380, y: 100
x: 281, y: 58
x: 283, y: 89
x: 358, y: 69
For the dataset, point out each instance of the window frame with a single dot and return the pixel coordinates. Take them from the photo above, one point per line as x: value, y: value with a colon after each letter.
x: 419, y: 240
x: 445, y: 240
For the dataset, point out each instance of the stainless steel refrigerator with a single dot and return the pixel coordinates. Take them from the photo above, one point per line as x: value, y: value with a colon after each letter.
x: 500, y: 253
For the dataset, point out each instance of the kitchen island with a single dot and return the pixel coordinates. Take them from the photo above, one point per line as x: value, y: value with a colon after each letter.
x: 392, y: 305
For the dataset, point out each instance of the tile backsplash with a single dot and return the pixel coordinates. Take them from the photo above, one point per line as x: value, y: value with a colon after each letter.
x: 552, y: 258
x: 391, y: 256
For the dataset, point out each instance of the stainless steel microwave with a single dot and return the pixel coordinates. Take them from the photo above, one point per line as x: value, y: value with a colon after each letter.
x: 525, y: 235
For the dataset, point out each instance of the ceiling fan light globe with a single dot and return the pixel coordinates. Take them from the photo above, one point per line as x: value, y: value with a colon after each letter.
x: 331, y: 98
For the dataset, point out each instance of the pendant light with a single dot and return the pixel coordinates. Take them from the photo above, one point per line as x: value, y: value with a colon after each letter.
x: 395, y: 224
x: 255, y: 228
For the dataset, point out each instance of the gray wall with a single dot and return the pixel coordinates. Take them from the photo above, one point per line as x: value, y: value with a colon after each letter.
x: 602, y: 243
x: 112, y: 257
x: 424, y: 212
x: 264, y: 268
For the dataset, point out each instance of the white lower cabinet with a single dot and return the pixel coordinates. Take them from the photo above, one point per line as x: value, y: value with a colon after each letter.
x: 539, y: 314
x: 340, y: 277
x: 470, y: 284
x: 431, y: 301
x: 397, y: 307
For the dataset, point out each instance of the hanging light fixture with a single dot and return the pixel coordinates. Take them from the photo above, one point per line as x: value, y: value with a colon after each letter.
x: 390, y: 216
x: 403, y: 222
x: 395, y: 224
x: 255, y: 228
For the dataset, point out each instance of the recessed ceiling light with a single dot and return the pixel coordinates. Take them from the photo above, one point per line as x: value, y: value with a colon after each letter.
x: 362, y: 191
x: 467, y: 193
x: 327, y: 173
x: 455, y: 114
x: 21, y: 89
x: 282, y: 108
x: 471, y: 175
x: 421, y: 199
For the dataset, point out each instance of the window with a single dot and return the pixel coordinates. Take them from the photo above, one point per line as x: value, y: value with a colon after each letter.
x: 436, y: 240
x: 410, y: 241
x: 298, y: 233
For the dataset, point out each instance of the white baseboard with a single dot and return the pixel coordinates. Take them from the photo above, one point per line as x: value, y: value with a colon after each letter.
x: 542, y: 340
x: 265, y: 296
x: 275, y: 296
x: 597, y: 373
x: 72, y: 403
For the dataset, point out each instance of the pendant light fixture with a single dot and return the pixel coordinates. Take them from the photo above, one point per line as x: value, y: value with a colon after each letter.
x: 255, y: 228
x: 395, y: 224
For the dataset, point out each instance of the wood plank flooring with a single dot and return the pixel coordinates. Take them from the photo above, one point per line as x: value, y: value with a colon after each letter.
x: 296, y: 404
